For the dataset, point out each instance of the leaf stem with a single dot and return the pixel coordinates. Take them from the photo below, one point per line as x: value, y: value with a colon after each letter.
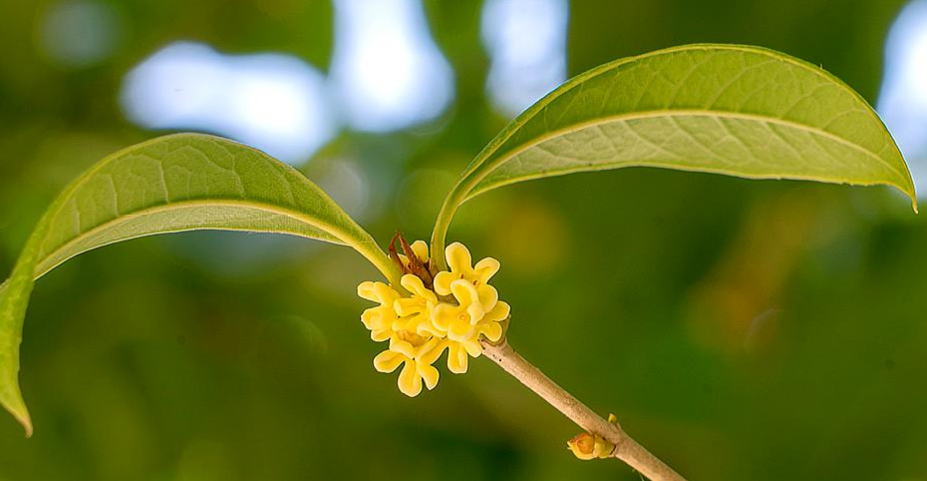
x: 626, y: 448
x: 439, y: 234
x: 375, y: 255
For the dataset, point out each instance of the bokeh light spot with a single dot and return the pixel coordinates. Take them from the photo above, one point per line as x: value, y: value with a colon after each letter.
x: 388, y: 71
x: 346, y: 182
x: 903, y: 99
x: 79, y: 34
x: 274, y: 102
x: 526, y: 40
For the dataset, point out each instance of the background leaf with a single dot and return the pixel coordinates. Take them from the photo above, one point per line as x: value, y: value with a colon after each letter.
x: 175, y: 183
x: 728, y: 109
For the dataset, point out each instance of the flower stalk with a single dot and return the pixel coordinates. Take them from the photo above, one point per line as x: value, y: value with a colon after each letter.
x: 625, y: 447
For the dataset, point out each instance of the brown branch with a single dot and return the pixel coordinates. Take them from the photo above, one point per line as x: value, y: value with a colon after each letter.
x: 626, y: 448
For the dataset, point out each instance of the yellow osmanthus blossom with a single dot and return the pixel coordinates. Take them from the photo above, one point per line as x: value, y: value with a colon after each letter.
x: 417, y: 364
x: 415, y: 312
x: 459, y: 322
x: 380, y: 319
x: 453, y: 313
x: 464, y: 323
x: 459, y: 261
x: 420, y: 249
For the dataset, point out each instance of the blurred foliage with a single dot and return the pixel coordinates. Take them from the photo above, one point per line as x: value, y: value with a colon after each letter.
x: 742, y: 330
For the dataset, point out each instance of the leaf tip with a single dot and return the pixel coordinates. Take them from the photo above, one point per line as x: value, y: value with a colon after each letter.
x: 907, y: 186
x: 907, y: 189
x: 21, y: 414
x: 27, y: 425
x: 12, y: 401
x: 911, y: 194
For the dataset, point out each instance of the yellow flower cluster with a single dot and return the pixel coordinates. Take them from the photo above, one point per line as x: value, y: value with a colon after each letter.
x: 453, y: 312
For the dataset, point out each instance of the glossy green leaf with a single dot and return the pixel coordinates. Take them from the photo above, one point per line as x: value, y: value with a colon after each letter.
x: 727, y: 109
x: 175, y: 183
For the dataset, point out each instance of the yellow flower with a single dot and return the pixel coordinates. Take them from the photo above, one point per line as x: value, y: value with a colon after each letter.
x: 459, y: 322
x: 458, y: 354
x: 420, y: 326
x: 420, y: 249
x: 379, y: 319
x: 466, y: 322
x: 415, y: 312
x: 416, y: 364
x: 459, y: 261
x: 491, y: 325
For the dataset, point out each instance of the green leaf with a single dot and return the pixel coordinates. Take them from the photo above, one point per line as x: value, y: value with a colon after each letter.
x: 175, y: 183
x: 727, y: 109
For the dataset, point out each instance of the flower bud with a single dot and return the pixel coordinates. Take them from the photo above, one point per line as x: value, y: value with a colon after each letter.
x: 586, y: 446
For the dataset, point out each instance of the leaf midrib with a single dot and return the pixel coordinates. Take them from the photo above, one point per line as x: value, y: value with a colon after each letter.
x: 270, y: 208
x: 488, y: 167
x: 581, y: 79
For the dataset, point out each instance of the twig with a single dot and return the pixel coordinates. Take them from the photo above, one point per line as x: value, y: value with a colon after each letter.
x: 626, y: 448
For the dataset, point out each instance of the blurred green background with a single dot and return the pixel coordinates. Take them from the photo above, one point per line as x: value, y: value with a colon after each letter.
x: 742, y: 330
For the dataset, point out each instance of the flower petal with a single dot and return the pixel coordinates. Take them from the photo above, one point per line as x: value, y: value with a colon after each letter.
x: 427, y: 328
x: 380, y: 335
x: 414, y: 284
x: 428, y: 373
x: 407, y: 306
x: 460, y: 331
x: 499, y: 313
x: 370, y: 317
x: 420, y: 248
x: 443, y: 314
x: 457, y: 359
x: 378, y: 318
x: 485, y: 269
x: 442, y: 282
x: 468, y: 297
x: 410, y: 383
x: 492, y: 331
x: 401, y: 346
x: 367, y: 290
x: 458, y: 259
x: 388, y: 361
x: 472, y: 347
x: 387, y: 294
x: 488, y: 296
x: 431, y: 351
x: 401, y: 323
x: 475, y: 311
